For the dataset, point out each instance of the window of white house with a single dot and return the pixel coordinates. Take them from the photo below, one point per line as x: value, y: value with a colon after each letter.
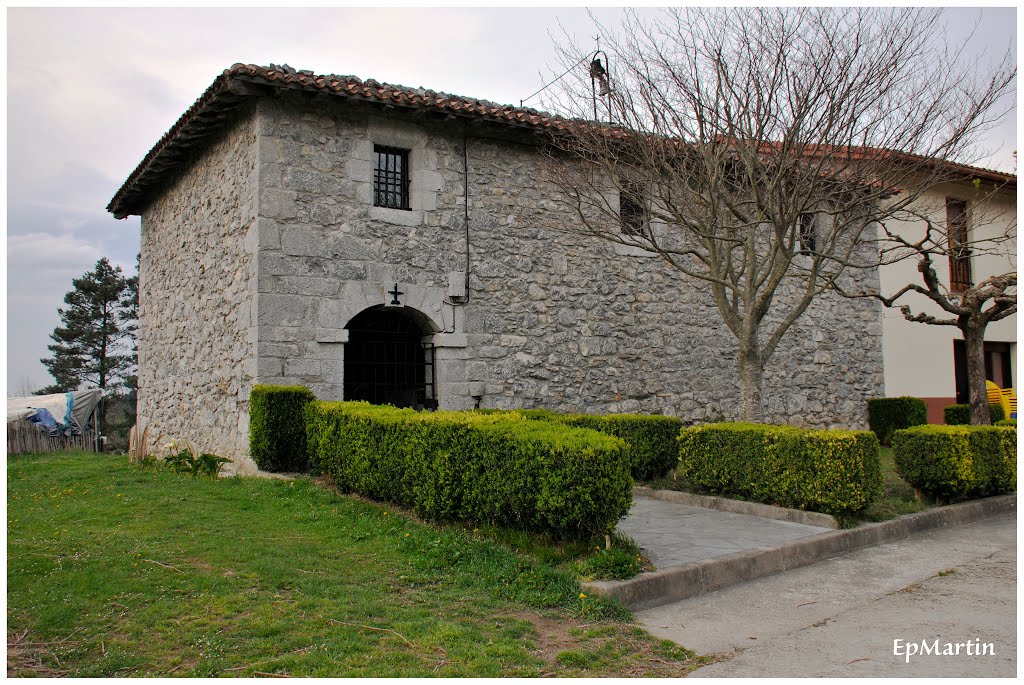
x: 959, y: 248
x: 390, y: 177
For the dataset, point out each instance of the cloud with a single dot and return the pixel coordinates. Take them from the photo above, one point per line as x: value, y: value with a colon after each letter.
x: 36, y: 260
x: 40, y: 268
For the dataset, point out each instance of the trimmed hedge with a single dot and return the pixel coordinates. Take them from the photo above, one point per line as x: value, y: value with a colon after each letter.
x: 957, y: 414
x: 957, y: 461
x: 960, y: 414
x: 277, y: 426
x: 496, y: 468
x: 540, y: 414
x: 831, y: 471
x: 1007, y: 422
x: 651, y: 438
x: 888, y: 414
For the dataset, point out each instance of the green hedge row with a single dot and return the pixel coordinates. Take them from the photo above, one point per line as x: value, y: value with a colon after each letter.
x: 960, y: 414
x: 830, y: 471
x: 496, y: 468
x: 277, y: 426
x: 651, y: 438
x: 888, y: 414
x: 957, y: 461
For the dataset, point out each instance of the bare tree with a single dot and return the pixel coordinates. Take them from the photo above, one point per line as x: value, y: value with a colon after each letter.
x: 936, y: 232
x: 757, y: 150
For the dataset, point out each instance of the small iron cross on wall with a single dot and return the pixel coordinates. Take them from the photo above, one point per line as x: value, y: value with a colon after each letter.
x: 394, y: 295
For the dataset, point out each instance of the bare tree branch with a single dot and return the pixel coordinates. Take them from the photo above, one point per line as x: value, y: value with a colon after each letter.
x: 732, y: 126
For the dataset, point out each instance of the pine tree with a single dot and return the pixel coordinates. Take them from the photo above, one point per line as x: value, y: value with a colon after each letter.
x: 129, y: 316
x: 89, y: 346
x: 121, y: 413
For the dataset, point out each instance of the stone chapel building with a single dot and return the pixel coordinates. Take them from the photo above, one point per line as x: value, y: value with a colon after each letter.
x: 393, y: 244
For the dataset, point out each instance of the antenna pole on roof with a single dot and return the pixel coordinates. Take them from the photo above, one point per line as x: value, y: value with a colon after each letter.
x: 555, y: 80
x: 599, y: 75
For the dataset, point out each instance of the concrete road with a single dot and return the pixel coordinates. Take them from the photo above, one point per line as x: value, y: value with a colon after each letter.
x: 843, y: 616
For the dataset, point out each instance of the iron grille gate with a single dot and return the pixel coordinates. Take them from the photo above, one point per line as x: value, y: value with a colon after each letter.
x: 386, y: 362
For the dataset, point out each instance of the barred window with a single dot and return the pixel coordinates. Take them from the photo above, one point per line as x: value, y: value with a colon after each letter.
x: 808, y: 239
x: 390, y: 177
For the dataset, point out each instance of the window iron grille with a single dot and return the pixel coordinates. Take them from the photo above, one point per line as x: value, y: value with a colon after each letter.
x: 386, y: 362
x: 390, y: 177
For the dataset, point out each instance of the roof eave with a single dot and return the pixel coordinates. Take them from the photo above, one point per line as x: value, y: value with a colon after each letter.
x: 234, y: 86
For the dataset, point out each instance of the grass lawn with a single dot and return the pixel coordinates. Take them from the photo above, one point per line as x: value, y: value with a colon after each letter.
x: 117, y: 570
x: 897, y: 496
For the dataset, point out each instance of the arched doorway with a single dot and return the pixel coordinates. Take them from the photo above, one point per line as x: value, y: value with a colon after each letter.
x: 386, y: 361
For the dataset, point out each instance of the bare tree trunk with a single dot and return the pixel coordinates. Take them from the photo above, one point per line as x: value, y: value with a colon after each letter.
x: 751, y: 372
x: 977, y: 392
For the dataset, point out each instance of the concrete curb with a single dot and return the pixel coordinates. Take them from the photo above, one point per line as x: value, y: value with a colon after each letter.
x: 700, y: 577
x: 768, y: 511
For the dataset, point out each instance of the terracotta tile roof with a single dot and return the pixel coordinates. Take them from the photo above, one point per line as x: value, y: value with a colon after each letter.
x: 243, y: 81
x: 229, y: 89
x: 392, y: 94
x: 951, y: 170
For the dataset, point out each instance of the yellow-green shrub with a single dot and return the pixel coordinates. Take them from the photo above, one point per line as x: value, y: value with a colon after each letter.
x: 496, y: 468
x: 651, y: 438
x: 653, y: 450
x: 830, y: 471
x: 957, y: 461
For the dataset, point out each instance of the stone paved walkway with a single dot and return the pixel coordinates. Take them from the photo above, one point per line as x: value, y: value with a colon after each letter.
x: 671, y: 534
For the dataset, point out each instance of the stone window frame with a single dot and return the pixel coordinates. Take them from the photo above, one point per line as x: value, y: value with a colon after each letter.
x: 425, y: 182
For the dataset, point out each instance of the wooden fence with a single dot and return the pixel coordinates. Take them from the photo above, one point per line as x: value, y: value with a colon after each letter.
x: 25, y: 438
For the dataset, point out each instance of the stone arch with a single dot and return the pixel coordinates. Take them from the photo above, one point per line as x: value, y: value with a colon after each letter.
x: 424, y: 304
x: 387, y: 360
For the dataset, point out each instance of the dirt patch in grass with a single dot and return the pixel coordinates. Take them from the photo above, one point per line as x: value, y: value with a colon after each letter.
x: 583, y: 648
x: 199, y: 564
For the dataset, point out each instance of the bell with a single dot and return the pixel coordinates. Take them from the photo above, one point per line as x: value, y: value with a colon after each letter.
x: 605, y: 88
x: 596, y: 69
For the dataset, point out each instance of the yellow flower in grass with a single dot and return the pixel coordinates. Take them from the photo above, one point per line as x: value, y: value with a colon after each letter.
x: 582, y: 596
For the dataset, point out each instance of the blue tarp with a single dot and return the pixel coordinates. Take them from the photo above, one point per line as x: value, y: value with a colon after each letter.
x: 44, y: 418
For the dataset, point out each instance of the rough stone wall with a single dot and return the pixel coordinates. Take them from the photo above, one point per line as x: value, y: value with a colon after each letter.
x: 554, y: 320
x: 197, y: 297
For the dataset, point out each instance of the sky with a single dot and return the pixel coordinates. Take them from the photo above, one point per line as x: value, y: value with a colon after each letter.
x: 89, y: 91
